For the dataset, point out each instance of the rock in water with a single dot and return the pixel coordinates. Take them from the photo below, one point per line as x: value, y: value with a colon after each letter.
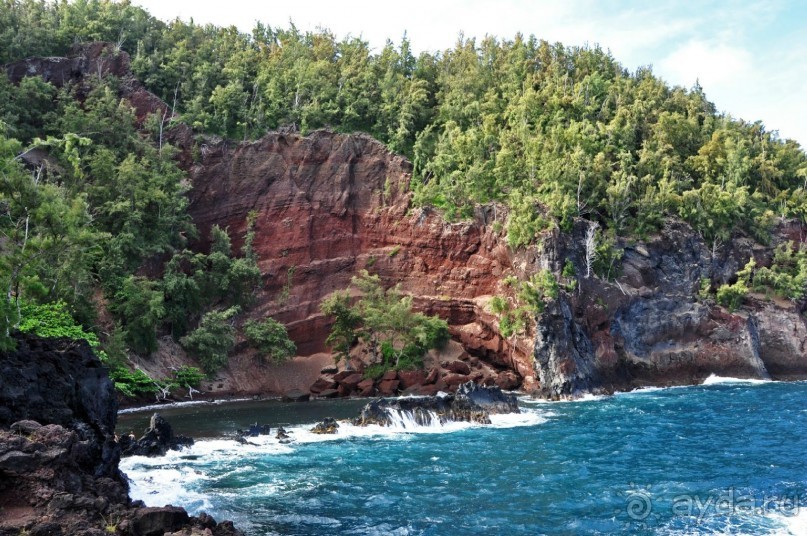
x: 327, y: 426
x: 158, y: 439
x: 491, y: 399
x: 471, y: 403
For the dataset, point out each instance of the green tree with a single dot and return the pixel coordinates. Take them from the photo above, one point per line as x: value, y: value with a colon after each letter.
x: 212, y: 341
x: 270, y: 338
x: 140, y: 304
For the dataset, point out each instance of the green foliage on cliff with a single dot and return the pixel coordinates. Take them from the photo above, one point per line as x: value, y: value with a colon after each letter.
x: 531, y: 298
x: 732, y: 296
x: 787, y: 275
x: 213, y: 339
x: 53, y: 320
x: 382, y: 318
x: 270, y: 338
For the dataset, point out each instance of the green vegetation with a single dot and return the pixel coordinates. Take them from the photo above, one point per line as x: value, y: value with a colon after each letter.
x: 531, y: 299
x: 383, y: 319
x: 732, y: 296
x: 213, y: 339
x: 787, y: 276
x: 52, y: 320
x: 270, y: 338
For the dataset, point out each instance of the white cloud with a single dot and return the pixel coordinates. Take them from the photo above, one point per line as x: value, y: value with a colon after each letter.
x: 716, y: 66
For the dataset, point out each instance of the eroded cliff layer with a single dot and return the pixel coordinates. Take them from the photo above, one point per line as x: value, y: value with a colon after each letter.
x: 329, y: 205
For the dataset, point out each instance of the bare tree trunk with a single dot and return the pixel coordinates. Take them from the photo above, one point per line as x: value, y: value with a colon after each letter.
x: 591, y: 247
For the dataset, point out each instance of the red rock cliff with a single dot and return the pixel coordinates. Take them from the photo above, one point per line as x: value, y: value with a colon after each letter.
x: 329, y: 205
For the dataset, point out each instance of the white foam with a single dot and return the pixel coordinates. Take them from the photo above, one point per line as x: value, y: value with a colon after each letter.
x: 714, y: 379
x: 168, y: 484
x: 792, y: 524
x: 527, y: 417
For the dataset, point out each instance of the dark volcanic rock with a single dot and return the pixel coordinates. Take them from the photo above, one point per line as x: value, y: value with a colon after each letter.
x: 471, y: 403
x: 158, y: 439
x: 491, y: 399
x: 327, y: 426
x: 58, y: 455
x: 158, y: 521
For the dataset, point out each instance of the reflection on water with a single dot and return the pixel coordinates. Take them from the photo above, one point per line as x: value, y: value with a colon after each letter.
x: 217, y: 419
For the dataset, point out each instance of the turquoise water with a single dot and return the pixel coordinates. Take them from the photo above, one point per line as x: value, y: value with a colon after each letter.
x: 725, y: 458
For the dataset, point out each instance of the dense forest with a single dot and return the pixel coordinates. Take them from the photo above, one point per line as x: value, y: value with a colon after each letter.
x: 552, y: 132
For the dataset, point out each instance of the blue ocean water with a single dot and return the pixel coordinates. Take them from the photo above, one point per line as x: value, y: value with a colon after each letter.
x: 724, y: 458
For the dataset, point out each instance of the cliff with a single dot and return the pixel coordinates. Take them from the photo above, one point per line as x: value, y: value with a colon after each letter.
x: 647, y: 327
x: 58, y: 454
x: 329, y: 205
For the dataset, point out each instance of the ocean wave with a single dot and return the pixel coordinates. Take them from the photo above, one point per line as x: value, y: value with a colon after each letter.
x: 714, y: 379
x: 795, y: 525
x: 166, y: 484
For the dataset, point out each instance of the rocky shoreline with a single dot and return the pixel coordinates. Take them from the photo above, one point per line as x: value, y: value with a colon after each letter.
x: 59, y: 456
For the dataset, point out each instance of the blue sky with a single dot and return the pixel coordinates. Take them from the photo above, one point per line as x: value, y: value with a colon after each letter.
x: 749, y: 56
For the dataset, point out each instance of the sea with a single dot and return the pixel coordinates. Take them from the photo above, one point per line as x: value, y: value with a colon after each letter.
x: 725, y: 457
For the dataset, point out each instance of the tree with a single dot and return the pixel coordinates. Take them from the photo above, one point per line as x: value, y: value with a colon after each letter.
x: 212, y: 341
x: 384, y: 319
x: 140, y: 304
x: 270, y: 338
x: 344, y: 330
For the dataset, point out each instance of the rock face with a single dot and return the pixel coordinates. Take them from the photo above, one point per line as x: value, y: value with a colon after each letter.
x: 329, y: 205
x: 58, y: 455
x: 647, y: 327
x: 471, y: 403
x: 61, y: 382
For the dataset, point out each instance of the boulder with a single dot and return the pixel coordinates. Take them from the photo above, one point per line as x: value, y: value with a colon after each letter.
x: 366, y: 387
x: 507, y: 380
x: 295, y: 395
x: 25, y: 427
x: 327, y: 426
x: 158, y: 521
x: 350, y: 382
x: 389, y: 375
x: 339, y: 376
x: 283, y: 436
x: 322, y: 384
x: 454, y: 380
x: 432, y: 376
x: 330, y: 369
x: 458, y: 367
x: 329, y: 393
x: 388, y: 387
x: 491, y: 399
x: 408, y: 378
x: 156, y: 441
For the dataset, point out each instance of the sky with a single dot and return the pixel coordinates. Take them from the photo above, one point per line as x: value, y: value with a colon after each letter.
x: 749, y: 56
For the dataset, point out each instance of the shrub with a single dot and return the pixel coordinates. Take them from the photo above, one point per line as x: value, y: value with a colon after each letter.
x: 732, y: 296
x: 270, y: 338
x: 213, y: 339
x: 53, y: 320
